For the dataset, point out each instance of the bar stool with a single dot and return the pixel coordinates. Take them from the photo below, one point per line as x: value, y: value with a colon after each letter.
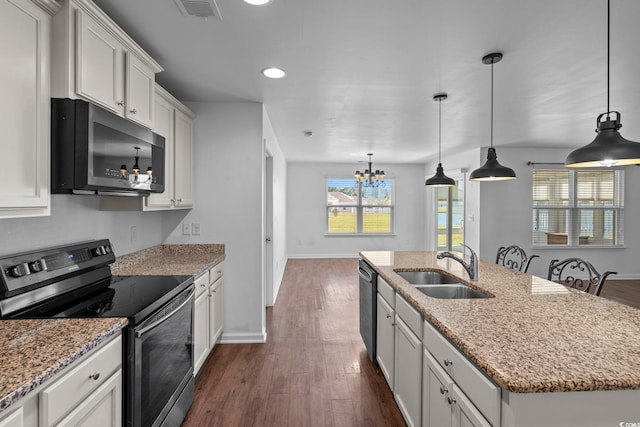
x: 514, y: 257
x: 578, y: 274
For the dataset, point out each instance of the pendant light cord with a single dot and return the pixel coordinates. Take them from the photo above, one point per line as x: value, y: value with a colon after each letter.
x: 439, y: 130
x: 492, y: 103
x: 608, y: 52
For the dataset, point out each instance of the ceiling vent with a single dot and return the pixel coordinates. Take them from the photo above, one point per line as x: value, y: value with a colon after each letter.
x: 200, y: 8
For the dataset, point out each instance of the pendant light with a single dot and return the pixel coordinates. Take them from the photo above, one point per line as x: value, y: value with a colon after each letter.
x: 609, y: 148
x: 492, y: 170
x: 440, y: 179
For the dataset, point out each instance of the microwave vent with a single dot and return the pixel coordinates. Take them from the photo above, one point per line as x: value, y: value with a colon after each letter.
x: 200, y: 8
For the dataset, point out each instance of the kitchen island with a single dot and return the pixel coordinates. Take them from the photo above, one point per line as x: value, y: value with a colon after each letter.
x: 553, y: 351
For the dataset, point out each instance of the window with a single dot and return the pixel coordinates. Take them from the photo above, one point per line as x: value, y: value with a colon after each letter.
x: 355, y: 209
x: 578, y: 207
x: 450, y: 216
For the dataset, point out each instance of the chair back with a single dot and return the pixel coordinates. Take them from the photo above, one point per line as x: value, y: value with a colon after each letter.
x: 578, y: 274
x: 514, y: 257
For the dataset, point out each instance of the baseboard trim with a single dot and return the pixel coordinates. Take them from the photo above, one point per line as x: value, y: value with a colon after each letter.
x: 243, y: 338
x: 312, y: 256
x: 629, y: 276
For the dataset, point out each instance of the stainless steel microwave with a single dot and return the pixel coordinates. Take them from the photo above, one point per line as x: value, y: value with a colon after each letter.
x: 93, y: 151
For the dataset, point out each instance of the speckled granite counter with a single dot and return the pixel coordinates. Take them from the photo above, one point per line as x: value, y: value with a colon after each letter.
x: 166, y: 260
x: 34, y: 350
x: 534, y: 335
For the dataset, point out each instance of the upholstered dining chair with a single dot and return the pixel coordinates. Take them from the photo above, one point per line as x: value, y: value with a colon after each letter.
x: 514, y: 257
x: 578, y: 274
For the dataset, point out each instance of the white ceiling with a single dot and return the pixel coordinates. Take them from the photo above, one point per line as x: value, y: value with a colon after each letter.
x: 361, y: 74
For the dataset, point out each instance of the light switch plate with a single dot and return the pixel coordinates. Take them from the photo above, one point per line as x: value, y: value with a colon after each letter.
x: 186, y: 229
x: 195, y: 228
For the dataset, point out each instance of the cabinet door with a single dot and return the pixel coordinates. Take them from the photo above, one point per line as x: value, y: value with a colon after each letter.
x: 436, y: 388
x: 465, y: 414
x: 183, y: 178
x: 15, y: 419
x: 200, y: 331
x: 140, y: 82
x: 25, y: 113
x: 407, y: 386
x: 385, y: 339
x: 102, y: 408
x: 163, y: 125
x: 216, y: 312
x: 99, y: 64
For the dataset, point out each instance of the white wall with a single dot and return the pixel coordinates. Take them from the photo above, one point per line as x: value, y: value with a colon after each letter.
x: 502, y: 212
x: 279, y: 185
x: 76, y: 218
x: 229, y: 162
x: 306, y: 207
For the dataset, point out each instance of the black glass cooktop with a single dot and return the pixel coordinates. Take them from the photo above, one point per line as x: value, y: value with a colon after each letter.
x: 134, y: 297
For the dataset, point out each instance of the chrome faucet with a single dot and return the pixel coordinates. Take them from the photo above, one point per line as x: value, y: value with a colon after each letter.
x: 471, y: 268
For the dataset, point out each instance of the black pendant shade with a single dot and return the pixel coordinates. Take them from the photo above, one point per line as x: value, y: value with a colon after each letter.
x: 440, y: 179
x: 609, y: 148
x: 492, y: 170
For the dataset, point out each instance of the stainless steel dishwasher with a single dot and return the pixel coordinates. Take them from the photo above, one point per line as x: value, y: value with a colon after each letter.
x: 368, y: 289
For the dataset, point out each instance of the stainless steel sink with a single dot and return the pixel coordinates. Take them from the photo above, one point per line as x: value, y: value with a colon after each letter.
x: 451, y: 291
x: 426, y: 277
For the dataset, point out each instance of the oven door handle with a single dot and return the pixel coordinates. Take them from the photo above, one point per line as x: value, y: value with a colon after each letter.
x: 146, y: 329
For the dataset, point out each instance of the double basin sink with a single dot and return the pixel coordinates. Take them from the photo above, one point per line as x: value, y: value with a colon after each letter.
x: 438, y: 285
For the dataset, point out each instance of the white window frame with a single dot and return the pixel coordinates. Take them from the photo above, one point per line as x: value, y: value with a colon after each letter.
x: 360, y: 209
x: 575, y: 210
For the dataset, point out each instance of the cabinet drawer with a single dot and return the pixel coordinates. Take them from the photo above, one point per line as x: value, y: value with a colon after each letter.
x: 484, y: 394
x: 387, y: 292
x: 202, y: 283
x: 65, y: 394
x: 216, y: 272
x: 409, y: 315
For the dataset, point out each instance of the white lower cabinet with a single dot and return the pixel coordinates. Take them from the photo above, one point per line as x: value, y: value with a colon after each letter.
x: 474, y: 399
x: 216, y: 311
x: 407, y: 385
x: 443, y: 403
x: 208, y: 314
x: 385, y: 339
x: 201, y: 322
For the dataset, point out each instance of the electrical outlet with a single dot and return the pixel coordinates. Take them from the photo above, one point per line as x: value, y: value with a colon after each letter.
x: 186, y: 229
x: 195, y: 228
x: 134, y: 233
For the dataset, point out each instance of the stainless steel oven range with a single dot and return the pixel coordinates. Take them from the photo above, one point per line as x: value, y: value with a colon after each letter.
x: 75, y: 281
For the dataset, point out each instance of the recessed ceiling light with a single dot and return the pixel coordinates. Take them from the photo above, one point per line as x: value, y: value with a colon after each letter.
x: 257, y: 2
x: 273, y: 73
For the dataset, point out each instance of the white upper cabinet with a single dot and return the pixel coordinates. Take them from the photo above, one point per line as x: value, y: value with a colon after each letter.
x: 98, y: 62
x: 175, y: 122
x: 25, y: 42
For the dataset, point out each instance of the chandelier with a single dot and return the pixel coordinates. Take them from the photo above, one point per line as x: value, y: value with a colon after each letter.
x: 136, y: 168
x: 369, y: 178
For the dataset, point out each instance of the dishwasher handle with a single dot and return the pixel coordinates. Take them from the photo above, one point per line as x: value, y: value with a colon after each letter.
x: 365, y: 274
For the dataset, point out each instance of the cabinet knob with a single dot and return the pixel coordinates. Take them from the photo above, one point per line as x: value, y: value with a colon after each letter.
x: 388, y: 316
x: 443, y: 390
x: 179, y: 200
x: 451, y: 400
x: 447, y: 362
x: 133, y: 111
x: 94, y: 376
x: 121, y: 104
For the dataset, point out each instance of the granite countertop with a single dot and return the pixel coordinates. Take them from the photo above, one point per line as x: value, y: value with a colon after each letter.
x: 534, y: 335
x: 34, y: 350
x: 168, y: 260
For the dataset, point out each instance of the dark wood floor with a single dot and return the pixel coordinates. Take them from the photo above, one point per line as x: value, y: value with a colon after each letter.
x: 312, y: 371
